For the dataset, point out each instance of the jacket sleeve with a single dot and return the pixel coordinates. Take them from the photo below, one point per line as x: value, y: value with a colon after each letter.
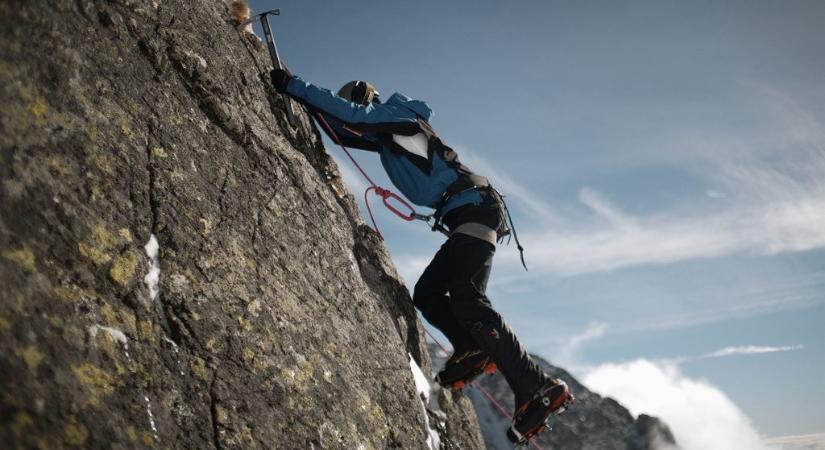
x: 348, y: 138
x: 343, y: 110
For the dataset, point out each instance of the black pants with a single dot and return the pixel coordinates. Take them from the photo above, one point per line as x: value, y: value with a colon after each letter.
x: 451, y: 295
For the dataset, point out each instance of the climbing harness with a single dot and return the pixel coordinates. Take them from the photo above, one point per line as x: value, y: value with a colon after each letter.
x: 467, y: 183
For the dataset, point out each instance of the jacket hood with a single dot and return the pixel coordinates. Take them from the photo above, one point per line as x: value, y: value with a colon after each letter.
x: 417, y: 106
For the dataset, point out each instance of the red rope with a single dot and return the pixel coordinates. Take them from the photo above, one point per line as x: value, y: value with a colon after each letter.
x: 490, y: 398
x: 385, y: 194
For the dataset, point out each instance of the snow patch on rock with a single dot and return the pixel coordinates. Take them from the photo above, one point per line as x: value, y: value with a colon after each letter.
x: 117, y: 335
x: 424, y: 389
x: 152, y: 277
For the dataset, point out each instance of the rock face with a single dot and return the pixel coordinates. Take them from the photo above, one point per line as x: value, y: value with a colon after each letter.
x: 178, y: 267
x: 593, y: 423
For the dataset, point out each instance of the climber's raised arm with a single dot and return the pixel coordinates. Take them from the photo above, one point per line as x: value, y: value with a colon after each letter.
x: 355, y: 113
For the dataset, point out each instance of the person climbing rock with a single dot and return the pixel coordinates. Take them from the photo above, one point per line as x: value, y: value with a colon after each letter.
x: 451, y: 292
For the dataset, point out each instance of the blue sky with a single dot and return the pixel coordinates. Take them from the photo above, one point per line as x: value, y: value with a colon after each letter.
x: 664, y: 164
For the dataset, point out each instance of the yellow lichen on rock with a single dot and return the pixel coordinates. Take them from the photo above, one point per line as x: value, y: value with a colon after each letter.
x: 75, y: 433
x: 198, y: 367
x: 254, y: 307
x: 300, y: 375
x: 124, y: 267
x: 32, y: 357
x: 146, y: 331
x: 126, y: 130
x: 58, y: 165
x: 159, y: 152
x: 23, y: 257
x: 98, y: 382
x: 220, y: 414
x: 5, y: 323
x: 244, y: 324
x: 240, y: 255
x: 97, y: 248
x: 94, y: 253
x: 125, y: 234
x: 35, y: 104
x: 259, y: 365
x: 131, y: 433
x: 66, y: 293
x: 104, y: 161
x: 207, y: 226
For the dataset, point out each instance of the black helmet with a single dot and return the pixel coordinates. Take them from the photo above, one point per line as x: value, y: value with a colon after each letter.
x: 360, y: 92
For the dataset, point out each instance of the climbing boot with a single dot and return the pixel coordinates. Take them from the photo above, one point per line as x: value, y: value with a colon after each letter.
x: 461, y: 369
x: 531, y: 417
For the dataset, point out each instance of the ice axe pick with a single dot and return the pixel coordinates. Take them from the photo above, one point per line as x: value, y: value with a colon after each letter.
x: 273, y: 53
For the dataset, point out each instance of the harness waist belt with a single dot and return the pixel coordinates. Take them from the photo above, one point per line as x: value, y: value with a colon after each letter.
x: 477, y: 230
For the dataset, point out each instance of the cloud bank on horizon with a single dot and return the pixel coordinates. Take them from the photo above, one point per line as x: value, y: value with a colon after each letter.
x: 700, y: 415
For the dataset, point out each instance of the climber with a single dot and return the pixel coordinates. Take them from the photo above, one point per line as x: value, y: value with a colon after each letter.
x: 451, y: 292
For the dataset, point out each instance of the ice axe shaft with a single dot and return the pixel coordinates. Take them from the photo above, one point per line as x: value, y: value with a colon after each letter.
x: 273, y: 53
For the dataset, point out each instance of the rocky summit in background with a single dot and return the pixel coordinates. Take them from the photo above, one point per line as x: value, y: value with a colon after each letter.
x: 178, y: 267
x: 593, y: 423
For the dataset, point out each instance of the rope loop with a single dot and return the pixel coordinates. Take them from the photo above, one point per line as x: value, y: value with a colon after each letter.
x: 386, y: 195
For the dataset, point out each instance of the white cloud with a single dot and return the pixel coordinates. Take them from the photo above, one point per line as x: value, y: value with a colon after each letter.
x: 700, y: 415
x: 751, y: 350
x: 736, y: 351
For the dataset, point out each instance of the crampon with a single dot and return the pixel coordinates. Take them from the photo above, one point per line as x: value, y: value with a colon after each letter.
x: 532, y: 417
x: 460, y: 372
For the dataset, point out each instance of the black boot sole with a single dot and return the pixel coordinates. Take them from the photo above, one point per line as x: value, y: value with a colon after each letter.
x: 531, y: 419
x: 457, y: 384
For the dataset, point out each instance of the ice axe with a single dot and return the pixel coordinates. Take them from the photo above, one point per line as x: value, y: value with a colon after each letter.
x: 273, y: 53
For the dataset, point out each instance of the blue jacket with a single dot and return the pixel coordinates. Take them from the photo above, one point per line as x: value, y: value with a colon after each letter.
x: 417, y: 162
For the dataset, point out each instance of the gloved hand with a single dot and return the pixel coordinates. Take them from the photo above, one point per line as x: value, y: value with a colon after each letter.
x: 280, y: 79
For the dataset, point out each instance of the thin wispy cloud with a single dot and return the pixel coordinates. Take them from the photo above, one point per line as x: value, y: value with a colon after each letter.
x: 742, y: 350
x: 603, y: 208
x: 567, y: 352
x: 751, y: 350
x: 749, y: 302
x: 776, y: 205
x: 508, y: 185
